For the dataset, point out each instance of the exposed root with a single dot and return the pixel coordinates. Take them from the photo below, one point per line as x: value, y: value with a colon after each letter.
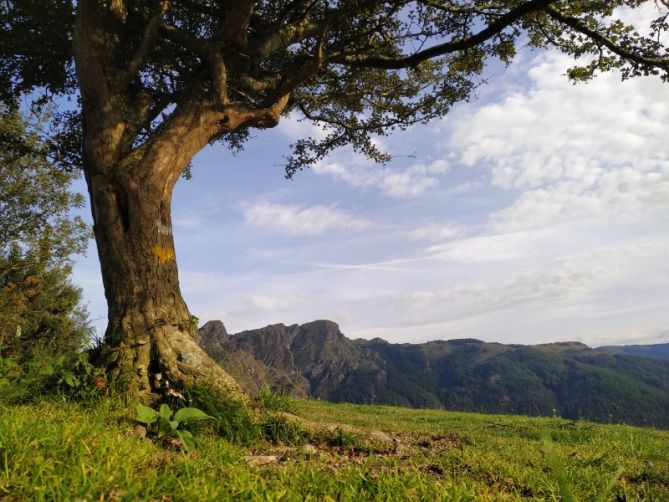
x: 161, y: 363
x: 376, y: 440
x: 183, y: 362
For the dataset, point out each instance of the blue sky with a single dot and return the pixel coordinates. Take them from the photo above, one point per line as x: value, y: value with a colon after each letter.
x: 538, y: 212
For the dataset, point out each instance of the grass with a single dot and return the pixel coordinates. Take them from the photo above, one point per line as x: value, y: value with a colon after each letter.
x: 55, y: 450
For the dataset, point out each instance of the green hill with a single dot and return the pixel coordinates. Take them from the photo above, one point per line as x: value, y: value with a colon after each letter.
x: 54, y: 450
x: 566, y: 379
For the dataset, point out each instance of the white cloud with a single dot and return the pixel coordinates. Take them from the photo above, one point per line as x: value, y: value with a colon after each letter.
x: 572, y: 151
x: 299, y: 128
x: 436, y: 232
x: 581, y: 282
x: 302, y: 220
x: 398, y: 183
x: 495, y: 247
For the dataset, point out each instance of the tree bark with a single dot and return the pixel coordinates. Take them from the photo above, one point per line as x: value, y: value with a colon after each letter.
x: 150, y: 349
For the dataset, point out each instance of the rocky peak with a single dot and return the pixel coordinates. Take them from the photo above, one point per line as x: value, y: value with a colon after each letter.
x: 213, y: 338
x: 214, y: 329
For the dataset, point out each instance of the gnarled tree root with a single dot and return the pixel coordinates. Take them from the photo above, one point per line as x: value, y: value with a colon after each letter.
x: 161, y: 363
x: 376, y: 440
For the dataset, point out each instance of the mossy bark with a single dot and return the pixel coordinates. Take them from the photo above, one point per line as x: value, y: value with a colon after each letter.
x: 150, y: 347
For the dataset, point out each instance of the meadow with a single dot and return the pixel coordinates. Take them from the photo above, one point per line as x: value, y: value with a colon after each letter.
x: 59, y: 450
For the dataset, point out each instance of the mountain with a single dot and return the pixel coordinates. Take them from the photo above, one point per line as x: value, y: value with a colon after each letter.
x: 659, y: 351
x: 568, y: 379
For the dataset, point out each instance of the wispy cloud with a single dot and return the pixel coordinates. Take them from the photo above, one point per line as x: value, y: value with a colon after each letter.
x: 437, y: 232
x: 302, y: 220
x: 399, y: 183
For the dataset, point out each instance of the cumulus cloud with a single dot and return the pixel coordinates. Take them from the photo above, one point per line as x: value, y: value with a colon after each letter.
x: 398, y: 183
x: 572, y: 151
x: 299, y: 128
x: 302, y: 220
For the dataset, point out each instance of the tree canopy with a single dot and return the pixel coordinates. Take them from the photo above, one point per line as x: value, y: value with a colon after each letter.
x: 358, y: 67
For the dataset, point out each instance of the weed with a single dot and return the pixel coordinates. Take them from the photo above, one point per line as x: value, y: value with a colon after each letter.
x: 79, y: 379
x: 345, y: 440
x: 165, y: 424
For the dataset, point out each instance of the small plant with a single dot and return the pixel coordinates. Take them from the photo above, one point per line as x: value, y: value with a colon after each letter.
x: 79, y: 379
x: 164, y: 423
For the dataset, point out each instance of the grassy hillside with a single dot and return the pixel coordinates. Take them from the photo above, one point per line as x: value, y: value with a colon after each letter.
x: 63, y: 451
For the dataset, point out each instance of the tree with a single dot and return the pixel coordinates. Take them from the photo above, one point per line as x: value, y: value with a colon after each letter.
x: 40, y: 311
x: 159, y: 80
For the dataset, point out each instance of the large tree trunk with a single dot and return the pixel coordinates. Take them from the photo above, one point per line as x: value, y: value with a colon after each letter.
x: 149, y: 346
x: 149, y: 349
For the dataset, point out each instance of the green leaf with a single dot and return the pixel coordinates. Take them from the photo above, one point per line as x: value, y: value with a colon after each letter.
x: 190, y: 414
x: 146, y: 415
x: 164, y: 425
x: 174, y: 424
x: 165, y: 411
x: 68, y: 378
x: 187, y: 439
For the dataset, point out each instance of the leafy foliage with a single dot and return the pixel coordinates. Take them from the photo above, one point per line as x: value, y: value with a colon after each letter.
x: 165, y: 423
x: 78, y: 379
x: 358, y: 69
x: 40, y: 309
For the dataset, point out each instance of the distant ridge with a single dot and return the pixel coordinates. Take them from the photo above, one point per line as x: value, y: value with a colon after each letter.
x: 659, y: 351
x: 567, y: 378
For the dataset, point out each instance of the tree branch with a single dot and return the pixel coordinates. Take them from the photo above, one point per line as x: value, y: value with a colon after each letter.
x: 184, y: 38
x: 148, y: 41
x: 219, y: 75
x: 577, y: 25
x: 313, y: 68
x: 494, y: 28
x: 236, y: 23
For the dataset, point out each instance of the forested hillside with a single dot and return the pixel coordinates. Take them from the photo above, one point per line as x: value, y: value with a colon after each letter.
x: 566, y: 379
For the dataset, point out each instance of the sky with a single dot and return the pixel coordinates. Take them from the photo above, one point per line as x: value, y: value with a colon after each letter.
x: 538, y: 212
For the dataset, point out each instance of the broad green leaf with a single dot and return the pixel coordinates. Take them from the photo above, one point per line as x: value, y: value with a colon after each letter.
x: 69, y: 379
x: 165, y: 411
x: 190, y: 414
x: 164, y: 425
x: 146, y: 415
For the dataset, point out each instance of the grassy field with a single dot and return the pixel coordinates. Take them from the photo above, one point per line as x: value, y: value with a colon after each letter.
x: 64, y: 451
